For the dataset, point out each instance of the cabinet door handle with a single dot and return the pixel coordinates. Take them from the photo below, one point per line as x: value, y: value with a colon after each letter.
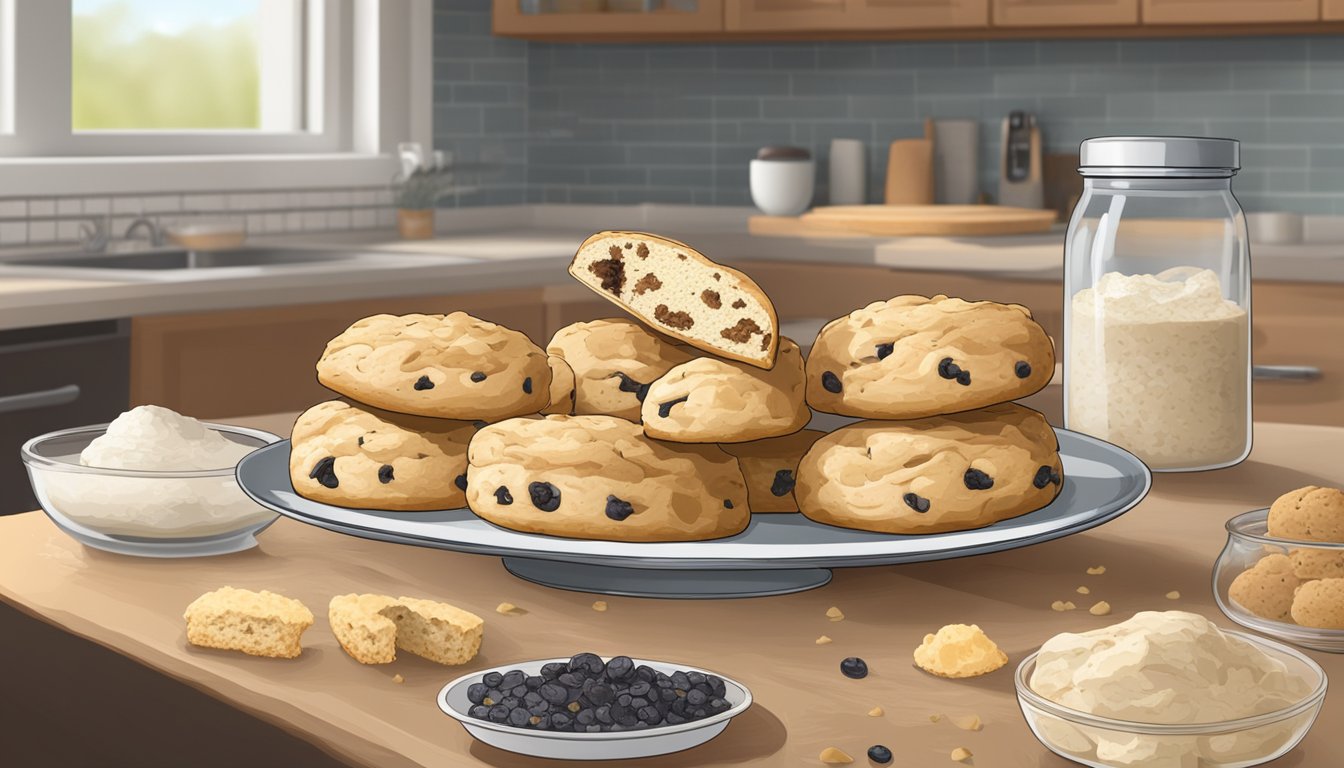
x: 42, y: 398
x: 1286, y: 372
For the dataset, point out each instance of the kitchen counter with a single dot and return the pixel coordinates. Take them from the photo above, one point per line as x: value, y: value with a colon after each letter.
x: 803, y: 704
x: 491, y: 248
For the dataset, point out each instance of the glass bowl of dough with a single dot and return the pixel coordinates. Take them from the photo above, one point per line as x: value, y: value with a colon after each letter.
x: 1284, y: 584
x: 152, y: 483
x: 1169, y: 688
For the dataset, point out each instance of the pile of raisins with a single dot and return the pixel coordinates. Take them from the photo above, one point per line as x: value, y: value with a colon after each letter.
x: 587, y: 695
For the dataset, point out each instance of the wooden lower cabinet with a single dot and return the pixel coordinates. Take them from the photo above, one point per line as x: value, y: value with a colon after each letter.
x: 1300, y: 324
x: 218, y: 365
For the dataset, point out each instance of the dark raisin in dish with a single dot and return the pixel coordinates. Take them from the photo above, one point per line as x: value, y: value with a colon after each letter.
x: 423, y: 383
x: 545, y: 496
x: 385, y: 474
x: 324, y: 472
x: 916, y: 502
x: 502, y: 496
x: 831, y: 383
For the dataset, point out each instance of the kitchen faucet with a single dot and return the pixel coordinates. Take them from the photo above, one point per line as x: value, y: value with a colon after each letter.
x: 155, y: 233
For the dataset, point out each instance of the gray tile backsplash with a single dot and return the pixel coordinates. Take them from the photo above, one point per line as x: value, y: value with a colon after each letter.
x: 604, y: 123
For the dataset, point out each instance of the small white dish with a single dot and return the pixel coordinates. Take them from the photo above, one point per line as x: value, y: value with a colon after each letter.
x: 620, y: 745
x: 782, y: 186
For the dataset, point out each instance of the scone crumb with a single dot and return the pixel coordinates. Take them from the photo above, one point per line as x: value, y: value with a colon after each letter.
x: 1096, y: 570
x: 1062, y: 605
x: 834, y: 614
x: 1083, y: 591
x: 935, y: 718
x: 1102, y: 608
x: 968, y: 723
x: 833, y: 756
x: 876, y: 712
x: 506, y: 608
x: 1174, y: 595
x: 398, y: 679
x: 961, y: 754
x: 823, y: 640
x: 599, y: 605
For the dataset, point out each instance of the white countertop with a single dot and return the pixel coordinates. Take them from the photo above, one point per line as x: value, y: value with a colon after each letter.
x: 492, y: 248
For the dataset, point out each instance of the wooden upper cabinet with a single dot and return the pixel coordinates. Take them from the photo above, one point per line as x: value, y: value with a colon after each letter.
x: 889, y: 15
x: 1229, y: 11
x: 1333, y: 10
x: 607, y: 18
x: 1064, y: 13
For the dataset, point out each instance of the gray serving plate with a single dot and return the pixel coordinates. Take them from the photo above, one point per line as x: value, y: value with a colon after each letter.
x: 776, y: 554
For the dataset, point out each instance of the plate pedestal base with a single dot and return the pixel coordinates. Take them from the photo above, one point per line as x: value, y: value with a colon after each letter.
x: 663, y: 582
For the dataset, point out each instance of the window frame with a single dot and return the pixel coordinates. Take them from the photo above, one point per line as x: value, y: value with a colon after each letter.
x: 376, y: 84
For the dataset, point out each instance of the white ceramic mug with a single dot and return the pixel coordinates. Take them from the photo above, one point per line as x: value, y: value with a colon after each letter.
x: 956, y: 151
x: 782, y: 187
x: 849, y: 172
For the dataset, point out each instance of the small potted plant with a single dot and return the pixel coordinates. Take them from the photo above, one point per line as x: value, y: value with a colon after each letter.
x: 416, y: 195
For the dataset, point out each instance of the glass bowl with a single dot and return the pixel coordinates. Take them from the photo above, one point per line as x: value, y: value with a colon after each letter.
x: 1248, y: 541
x: 1098, y: 741
x: 145, y: 513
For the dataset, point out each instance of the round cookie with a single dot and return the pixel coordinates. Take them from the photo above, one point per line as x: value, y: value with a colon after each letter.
x: 1311, y: 513
x: 562, y: 386
x: 1317, y: 563
x: 942, y: 473
x: 1320, y: 604
x: 770, y: 467
x: 448, y: 366
x: 912, y: 356
x: 614, y: 361
x: 599, y: 477
x: 353, y: 455
x: 709, y: 400
x: 1266, y: 589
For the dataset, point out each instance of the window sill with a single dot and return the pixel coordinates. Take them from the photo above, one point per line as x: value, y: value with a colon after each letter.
x: 45, y: 176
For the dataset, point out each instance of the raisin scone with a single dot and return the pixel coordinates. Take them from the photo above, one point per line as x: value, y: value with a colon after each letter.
x: 563, y: 397
x: 613, y: 362
x: 680, y: 292
x: 770, y: 467
x: 449, y: 366
x: 912, y: 356
x: 941, y: 473
x: 599, y: 477
x: 353, y: 455
x: 708, y: 400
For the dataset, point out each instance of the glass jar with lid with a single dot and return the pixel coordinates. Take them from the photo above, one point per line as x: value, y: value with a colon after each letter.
x: 1157, y: 302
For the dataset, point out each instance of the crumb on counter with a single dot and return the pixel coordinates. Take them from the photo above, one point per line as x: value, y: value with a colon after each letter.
x: 961, y: 754
x: 833, y: 756
x: 876, y: 712
x: 1083, y: 591
x: 1062, y: 605
x: 935, y: 718
x: 823, y: 640
x: 599, y: 605
x: 1174, y: 595
x: 1096, y: 570
x: 506, y: 608
x: 834, y: 614
x: 1102, y: 608
x: 968, y: 723
x: 398, y: 679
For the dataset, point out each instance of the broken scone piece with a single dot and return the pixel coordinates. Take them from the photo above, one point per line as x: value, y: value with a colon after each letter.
x: 959, y: 650
x: 372, y: 627
x: 256, y: 623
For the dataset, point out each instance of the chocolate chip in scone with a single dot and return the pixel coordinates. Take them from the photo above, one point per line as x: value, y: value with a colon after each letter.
x: 977, y: 480
x: 360, y: 441
x: 1022, y: 369
x: 831, y: 383
x: 711, y: 299
x: 618, y: 509
x: 727, y: 503
x: 649, y: 282
x: 948, y: 369
x: 503, y: 497
x: 461, y: 482
x: 614, y: 252
x: 324, y: 472
x: 630, y: 385
x: 679, y: 320
x: 884, y: 350
x: 423, y: 383
x: 385, y: 474
x: 681, y: 256
x: 611, y: 272
x: 739, y: 304
x: 916, y: 502
x: 642, y: 251
x: 527, y: 385
x: 477, y: 376
x: 628, y: 246
x: 717, y: 276
x: 964, y: 378
x: 741, y: 333
x: 1045, y: 476
x: 765, y: 341
x: 665, y: 409
x: 783, y: 483
x: 545, y: 496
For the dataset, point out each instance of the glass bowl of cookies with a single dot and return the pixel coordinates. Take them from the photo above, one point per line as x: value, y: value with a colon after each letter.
x: 1282, y: 570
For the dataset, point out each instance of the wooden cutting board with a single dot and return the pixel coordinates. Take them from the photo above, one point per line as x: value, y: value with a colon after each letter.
x: 908, y: 220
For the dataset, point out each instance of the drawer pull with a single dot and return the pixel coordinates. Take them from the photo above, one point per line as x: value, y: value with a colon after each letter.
x: 1286, y: 372
x: 43, y: 398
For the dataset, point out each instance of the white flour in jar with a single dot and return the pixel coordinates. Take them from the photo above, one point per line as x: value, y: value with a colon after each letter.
x: 1159, y: 365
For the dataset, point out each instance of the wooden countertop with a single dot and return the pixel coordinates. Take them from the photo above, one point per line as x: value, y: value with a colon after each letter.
x: 803, y: 704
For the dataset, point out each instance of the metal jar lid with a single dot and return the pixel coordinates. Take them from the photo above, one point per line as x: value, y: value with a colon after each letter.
x: 1159, y: 156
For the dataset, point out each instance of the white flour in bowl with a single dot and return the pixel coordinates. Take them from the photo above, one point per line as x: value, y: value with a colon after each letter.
x: 149, y: 437
x: 1159, y: 365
